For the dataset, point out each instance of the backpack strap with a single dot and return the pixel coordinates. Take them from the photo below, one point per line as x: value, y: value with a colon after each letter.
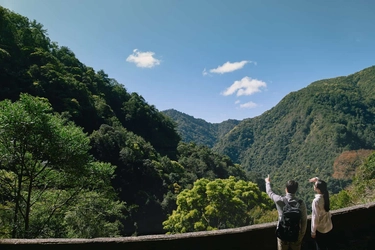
x: 299, y: 202
x: 286, y: 202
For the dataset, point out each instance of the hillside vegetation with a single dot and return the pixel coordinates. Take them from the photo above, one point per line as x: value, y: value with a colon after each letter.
x: 304, y: 133
x: 198, y: 130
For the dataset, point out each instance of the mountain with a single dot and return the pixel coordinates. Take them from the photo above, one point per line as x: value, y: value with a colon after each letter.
x: 198, y: 130
x: 301, y: 136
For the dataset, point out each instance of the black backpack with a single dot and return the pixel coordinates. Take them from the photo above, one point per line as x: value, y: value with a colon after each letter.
x: 288, y: 226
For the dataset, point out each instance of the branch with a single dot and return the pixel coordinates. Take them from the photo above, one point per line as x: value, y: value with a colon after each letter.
x: 57, y: 207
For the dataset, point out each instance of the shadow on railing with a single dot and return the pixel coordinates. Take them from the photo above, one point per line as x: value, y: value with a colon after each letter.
x: 354, y: 228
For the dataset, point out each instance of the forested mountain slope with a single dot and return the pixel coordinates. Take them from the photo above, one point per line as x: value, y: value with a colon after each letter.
x: 198, y: 130
x: 31, y: 63
x: 303, y: 134
x: 144, y: 164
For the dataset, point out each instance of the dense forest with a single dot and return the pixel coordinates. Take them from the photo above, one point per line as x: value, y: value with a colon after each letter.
x: 80, y: 156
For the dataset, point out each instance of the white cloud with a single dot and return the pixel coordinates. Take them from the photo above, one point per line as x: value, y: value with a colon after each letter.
x: 143, y: 59
x: 245, y: 86
x: 204, y: 72
x: 237, y: 102
x: 249, y: 105
x: 229, y: 67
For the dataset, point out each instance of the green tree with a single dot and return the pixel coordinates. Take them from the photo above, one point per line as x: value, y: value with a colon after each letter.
x: 217, y: 204
x: 341, y: 200
x: 94, y: 215
x: 44, y: 164
x: 146, y: 121
x: 139, y: 176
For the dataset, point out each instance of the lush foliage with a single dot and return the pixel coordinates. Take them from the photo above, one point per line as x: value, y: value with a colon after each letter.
x: 151, y: 183
x: 139, y: 176
x: 31, y: 63
x: 45, y: 168
x: 217, y: 204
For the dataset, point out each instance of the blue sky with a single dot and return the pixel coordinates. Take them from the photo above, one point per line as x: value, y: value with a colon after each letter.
x: 215, y: 60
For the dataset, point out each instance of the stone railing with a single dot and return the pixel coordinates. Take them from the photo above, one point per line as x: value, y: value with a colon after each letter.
x: 354, y: 228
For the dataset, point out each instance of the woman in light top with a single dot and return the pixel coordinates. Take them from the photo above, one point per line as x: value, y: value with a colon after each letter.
x: 321, y: 223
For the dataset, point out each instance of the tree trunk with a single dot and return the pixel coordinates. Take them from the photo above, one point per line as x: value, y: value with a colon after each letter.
x: 17, y: 207
x: 28, y: 208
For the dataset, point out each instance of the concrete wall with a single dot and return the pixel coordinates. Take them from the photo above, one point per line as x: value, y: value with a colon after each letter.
x: 353, y: 229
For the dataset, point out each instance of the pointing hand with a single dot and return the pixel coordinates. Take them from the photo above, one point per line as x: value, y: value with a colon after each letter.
x: 268, y: 180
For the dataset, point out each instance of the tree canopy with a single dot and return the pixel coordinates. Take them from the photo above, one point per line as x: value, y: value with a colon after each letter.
x: 216, y: 204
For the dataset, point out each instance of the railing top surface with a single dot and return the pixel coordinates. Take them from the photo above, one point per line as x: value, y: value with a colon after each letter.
x: 172, y: 236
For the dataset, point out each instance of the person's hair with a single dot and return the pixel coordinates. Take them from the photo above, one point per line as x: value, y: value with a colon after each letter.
x: 291, y: 186
x: 322, y: 186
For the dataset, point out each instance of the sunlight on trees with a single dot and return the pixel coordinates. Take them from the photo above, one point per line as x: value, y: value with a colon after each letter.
x: 216, y: 204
